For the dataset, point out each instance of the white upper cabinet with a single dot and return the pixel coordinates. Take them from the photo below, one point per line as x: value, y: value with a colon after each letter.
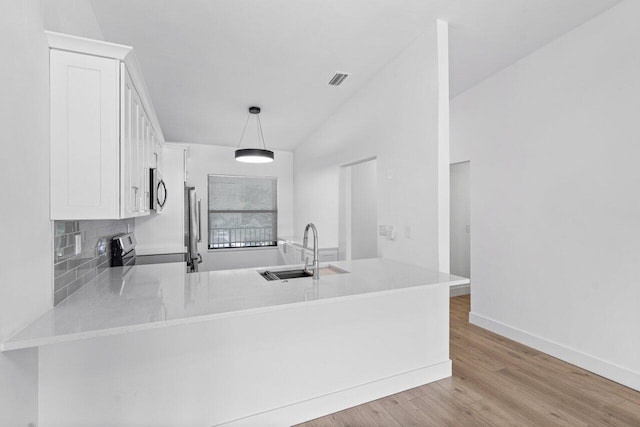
x: 130, y: 164
x: 105, y: 136
x: 84, y: 136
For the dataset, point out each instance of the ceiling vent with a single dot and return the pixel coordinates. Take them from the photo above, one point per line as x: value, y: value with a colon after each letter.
x: 338, y: 79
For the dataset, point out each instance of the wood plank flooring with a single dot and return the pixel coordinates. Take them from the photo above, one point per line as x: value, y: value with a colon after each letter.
x: 498, y: 382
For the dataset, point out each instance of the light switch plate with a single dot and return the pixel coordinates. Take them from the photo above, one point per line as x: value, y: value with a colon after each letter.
x: 391, y: 233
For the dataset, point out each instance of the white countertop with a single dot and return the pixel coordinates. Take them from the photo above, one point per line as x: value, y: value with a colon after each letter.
x: 127, y: 299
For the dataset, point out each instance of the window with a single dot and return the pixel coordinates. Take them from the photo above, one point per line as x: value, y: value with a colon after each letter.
x: 243, y: 211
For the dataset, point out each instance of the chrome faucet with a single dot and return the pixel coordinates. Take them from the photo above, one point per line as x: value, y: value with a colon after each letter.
x: 316, y: 258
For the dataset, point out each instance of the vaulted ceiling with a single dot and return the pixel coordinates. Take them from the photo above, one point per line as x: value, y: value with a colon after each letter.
x: 206, y: 61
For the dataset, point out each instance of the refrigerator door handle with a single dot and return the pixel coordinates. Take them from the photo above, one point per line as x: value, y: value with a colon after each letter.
x: 199, y: 220
x: 193, y: 223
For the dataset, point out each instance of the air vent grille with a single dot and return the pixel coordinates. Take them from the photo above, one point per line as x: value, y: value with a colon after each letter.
x: 338, y: 78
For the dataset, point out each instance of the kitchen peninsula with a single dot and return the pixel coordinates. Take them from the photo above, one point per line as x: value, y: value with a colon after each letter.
x: 155, y: 344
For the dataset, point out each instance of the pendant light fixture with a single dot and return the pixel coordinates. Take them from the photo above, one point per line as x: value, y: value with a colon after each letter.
x: 254, y: 155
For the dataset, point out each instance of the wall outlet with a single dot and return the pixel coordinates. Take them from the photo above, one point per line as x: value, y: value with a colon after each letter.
x: 382, y: 230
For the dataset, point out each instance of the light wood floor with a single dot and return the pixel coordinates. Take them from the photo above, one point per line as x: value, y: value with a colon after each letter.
x: 498, y: 382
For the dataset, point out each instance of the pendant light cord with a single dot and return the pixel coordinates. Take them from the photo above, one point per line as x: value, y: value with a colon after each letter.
x: 260, y: 130
x: 258, y: 124
x: 244, y: 129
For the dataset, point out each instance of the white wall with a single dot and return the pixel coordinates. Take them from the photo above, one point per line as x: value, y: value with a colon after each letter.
x: 460, y: 147
x: 26, y: 274
x: 210, y: 159
x: 395, y: 119
x: 24, y: 119
x: 74, y: 17
x: 554, y: 145
x: 364, y: 210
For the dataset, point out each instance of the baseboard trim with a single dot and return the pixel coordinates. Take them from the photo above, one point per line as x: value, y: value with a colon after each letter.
x: 338, y: 401
x: 456, y: 291
x: 598, y: 366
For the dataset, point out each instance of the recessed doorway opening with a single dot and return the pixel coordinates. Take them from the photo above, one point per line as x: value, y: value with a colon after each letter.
x: 460, y: 224
x: 359, y: 210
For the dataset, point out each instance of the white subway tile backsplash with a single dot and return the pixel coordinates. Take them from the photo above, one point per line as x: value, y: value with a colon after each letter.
x: 71, y: 270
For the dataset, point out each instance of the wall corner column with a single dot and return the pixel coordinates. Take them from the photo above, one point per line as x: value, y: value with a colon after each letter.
x: 443, y: 145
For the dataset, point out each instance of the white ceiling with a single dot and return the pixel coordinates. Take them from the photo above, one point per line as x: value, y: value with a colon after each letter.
x: 206, y: 61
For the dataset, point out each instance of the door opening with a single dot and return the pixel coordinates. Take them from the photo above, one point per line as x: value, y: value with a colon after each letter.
x: 460, y: 228
x: 360, y: 213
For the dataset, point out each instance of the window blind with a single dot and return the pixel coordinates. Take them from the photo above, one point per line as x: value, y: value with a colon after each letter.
x: 242, y: 211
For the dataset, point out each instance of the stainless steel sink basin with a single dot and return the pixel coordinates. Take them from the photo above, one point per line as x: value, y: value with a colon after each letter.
x: 285, y: 274
x: 298, y: 273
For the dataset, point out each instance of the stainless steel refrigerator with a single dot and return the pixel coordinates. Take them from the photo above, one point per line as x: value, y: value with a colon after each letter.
x: 192, y: 228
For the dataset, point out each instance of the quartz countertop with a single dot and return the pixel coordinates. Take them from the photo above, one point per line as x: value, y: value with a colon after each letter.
x: 128, y: 299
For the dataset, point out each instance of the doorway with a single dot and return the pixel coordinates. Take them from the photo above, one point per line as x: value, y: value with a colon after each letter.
x: 460, y: 226
x: 361, y: 209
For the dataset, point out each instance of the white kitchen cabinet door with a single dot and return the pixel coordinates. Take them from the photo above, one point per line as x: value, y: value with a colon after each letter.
x: 142, y: 159
x: 138, y: 160
x: 146, y: 164
x: 158, y: 151
x: 126, y: 140
x: 84, y: 121
x: 155, y: 161
x: 138, y: 151
x: 132, y: 140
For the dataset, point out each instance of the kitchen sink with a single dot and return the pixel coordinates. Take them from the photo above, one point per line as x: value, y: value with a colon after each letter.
x: 285, y: 274
x: 299, y: 273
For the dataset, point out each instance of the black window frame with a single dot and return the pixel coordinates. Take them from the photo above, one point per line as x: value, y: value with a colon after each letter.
x: 237, y: 239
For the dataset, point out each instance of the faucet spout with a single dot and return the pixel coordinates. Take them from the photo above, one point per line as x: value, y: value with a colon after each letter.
x: 316, y: 258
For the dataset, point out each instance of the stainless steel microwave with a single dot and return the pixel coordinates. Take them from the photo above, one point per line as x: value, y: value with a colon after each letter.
x: 158, y: 190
